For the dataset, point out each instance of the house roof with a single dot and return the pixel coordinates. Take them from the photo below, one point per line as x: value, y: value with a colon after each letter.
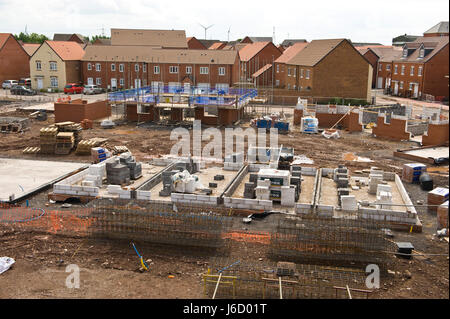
x: 207, y: 43
x: 217, y: 46
x: 259, y: 39
x: 251, y: 49
x: 156, y: 55
x: 262, y: 70
x: 30, y: 48
x: 291, y: 51
x: 3, y: 38
x: 67, y: 50
x: 101, y: 41
x: 432, y: 46
x: 387, y: 54
x: 441, y: 27
x: 315, y: 51
x: 67, y: 36
x: 289, y: 42
x: 155, y: 38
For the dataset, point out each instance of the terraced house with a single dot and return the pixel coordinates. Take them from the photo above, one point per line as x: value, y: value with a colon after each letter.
x: 14, y: 59
x: 56, y: 63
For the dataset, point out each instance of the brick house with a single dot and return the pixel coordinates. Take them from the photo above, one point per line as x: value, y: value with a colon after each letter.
x: 439, y: 30
x: 173, y: 39
x: 255, y: 56
x: 383, y: 69
x: 373, y: 54
x: 194, y: 44
x: 421, y: 69
x: 70, y: 37
x: 217, y: 46
x: 280, y: 69
x: 248, y: 39
x: 56, y: 63
x: 14, y: 60
x: 123, y: 67
x: 330, y: 68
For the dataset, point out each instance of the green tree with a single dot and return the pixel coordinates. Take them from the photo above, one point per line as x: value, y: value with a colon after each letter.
x: 31, y: 38
x: 95, y: 37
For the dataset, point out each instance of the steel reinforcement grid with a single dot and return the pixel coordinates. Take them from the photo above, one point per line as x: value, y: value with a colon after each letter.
x: 331, y: 241
x: 260, y: 280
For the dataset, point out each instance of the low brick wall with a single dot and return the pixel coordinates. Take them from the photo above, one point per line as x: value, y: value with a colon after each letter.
x: 437, y: 134
x: 395, y: 130
x: 78, y: 110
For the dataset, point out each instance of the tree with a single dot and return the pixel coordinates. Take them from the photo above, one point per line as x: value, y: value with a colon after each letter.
x: 95, y: 37
x: 31, y: 38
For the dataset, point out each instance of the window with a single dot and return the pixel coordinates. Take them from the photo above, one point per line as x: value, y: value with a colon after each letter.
x: 289, y: 71
x: 98, y: 67
x: 54, y: 81
x: 120, y: 67
x: 412, y: 70
x: 90, y: 81
x: 419, y: 71
x: 221, y: 70
x: 277, y: 82
x: 421, y: 53
x: 38, y: 65
x: 278, y: 68
x: 189, y: 70
x: 301, y: 73
x: 410, y: 86
x: 395, y: 69
x: 53, y: 66
x: 295, y: 73
x: 89, y: 66
x: 405, y: 52
x: 307, y: 74
x: 380, y: 67
x: 98, y: 81
x: 113, y: 67
x: 204, y: 70
x: 401, y: 84
x: 173, y: 69
x: 156, y: 69
x: 388, y: 67
x: 122, y: 82
x: 288, y: 86
x: 144, y: 67
x: 136, y: 67
x: 403, y: 70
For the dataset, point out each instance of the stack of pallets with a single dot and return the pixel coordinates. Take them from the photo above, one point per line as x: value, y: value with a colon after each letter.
x: 47, y: 138
x: 65, y: 142
x: 84, y: 146
x: 75, y: 128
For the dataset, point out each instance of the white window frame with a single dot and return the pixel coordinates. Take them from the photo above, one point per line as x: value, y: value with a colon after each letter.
x: 396, y: 69
x: 295, y: 74
x: 308, y: 74
x: 411, y: 70
x: 113, y: 67
x: 144, y: 67
x: 89, y: 66
x: 289, y: 71
x: 121, y: 81
x: 54, y: 84
x: 421, y: 53
x: 98, y: 81
x: 98, y: 67
x: 221, y: 71
x: 402, y: 70
x: 388, y: 67
x: 136, y: 67
x: 121, y: 67
x: 301, y: 73
x: 189, y: 70
x: 401, y: 85
x: 419, y: 71
x: 38, y: 65
x: 204, y: 70
x: 156, y: 69
x: 53, y: 66
x: 380, y: 67
x: 278, y: 68
x: 405, y: 53
x: 173, y: 69
x: 277, y: 82
x: 410, y: 86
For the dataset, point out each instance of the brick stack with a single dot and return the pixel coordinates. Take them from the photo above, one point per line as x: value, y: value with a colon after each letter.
x: 437, y: 196
x: 117, y: 174
x: 47, y: 138
x: 130, y: 162
x: 411, y: 172
x: 87, y: 124
x: 65, y: 142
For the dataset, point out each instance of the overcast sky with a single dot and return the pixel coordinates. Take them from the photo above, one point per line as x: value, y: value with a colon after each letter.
x: 360, y: 21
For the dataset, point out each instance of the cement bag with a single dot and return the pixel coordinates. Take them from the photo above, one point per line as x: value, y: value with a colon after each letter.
x: 331, y: 134
x: 5, y: 264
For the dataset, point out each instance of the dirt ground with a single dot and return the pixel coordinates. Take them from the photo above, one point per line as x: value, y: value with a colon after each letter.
x: 112, y: 271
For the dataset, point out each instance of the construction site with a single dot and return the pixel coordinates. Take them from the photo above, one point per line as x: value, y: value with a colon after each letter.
x: 347, y: 188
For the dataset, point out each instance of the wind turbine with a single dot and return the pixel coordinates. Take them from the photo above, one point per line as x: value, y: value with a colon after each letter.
x: 229, y: 33
x: 206, y: 28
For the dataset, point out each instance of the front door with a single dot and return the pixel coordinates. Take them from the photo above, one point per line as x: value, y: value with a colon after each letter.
x: 113, y: 84
x: 40, y: 83
x: 395, y: 88
x: 416, y: 90
x: 380, y: 83
x: 137, y: 83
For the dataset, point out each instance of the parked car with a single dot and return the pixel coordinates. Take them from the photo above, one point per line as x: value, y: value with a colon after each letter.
x: 73, y: 88
x: 25, y: 81
x: 92, y: 89
x: 7, y: 84
x: 22, y: 90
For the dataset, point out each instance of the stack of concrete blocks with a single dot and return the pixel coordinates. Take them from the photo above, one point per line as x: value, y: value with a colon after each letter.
x: 135, y: 168
x: 194, y: 199
x: 341, y: 176
x: 167, y: 183
x: 296, y: 171
x: 119, y: 191
x: 297, y: 182
x: 375, y: 178
x: 162, y: 161
x: 117, y: 174
x: 288, y: 196
x: 246, y: 203
x: 143, y: 195
x: 77, y: 186
x: 348, y: 203
x: 262, y: 190
x: 249, y: 190
x: 233, y: 162
x: 188, y: 164
x: 431, y: 113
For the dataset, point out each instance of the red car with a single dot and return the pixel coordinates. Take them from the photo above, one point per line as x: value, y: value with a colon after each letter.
x: 73, y: 88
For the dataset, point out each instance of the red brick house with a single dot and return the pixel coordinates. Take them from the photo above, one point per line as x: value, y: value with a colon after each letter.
x: 14, y: 60
x: 123, y: 67
x: 372, y: 54
x: 383, y: 69
x: 421, y: 69
x: 195, y: 44
x: 255, y: 56
x: 280, y: 69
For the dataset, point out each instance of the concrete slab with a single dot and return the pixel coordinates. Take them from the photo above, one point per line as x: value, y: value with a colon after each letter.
x: 20, y: 176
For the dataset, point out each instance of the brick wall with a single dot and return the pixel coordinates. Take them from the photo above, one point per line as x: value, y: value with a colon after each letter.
x: 437, y: 134
x: 407, y: 78
x: 350, y: 121
x: 73, y: 71
x: 14, y: 61
x: 395, y: 130
x: 132, y: 115
x: 435, y: 82
x: 373, y: 60
x: 78, y: 110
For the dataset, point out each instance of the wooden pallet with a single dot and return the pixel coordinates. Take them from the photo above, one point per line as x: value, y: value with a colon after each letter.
x: 31, y: 150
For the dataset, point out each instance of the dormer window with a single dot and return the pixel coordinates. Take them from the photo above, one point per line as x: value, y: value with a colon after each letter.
x: 405, y: 52
x: 421, y: 52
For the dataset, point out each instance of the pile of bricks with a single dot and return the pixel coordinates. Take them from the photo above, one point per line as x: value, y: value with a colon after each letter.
x: 87, y: 124
x: 437, y: 196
